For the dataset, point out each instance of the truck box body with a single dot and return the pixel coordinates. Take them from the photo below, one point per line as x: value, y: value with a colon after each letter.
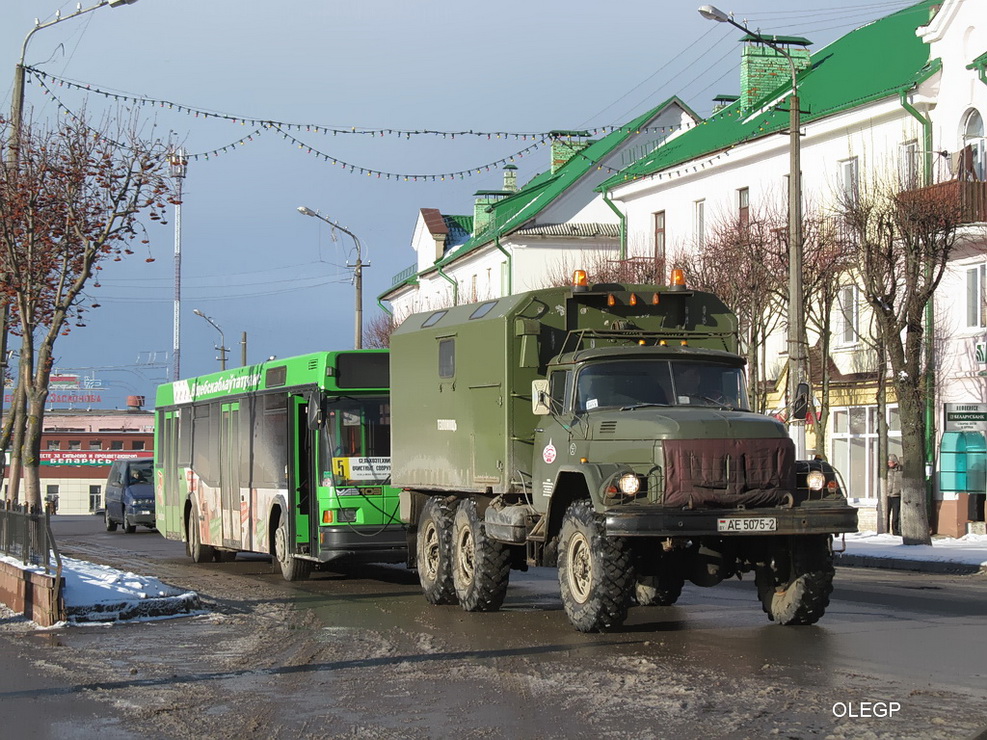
x: 462, y: 411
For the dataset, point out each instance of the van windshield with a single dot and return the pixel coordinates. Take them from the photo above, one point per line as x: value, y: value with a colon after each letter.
x: 660, y: 383
x: 140, y: 472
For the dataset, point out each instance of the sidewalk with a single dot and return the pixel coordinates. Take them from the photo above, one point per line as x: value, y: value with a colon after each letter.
x: 945, y: 555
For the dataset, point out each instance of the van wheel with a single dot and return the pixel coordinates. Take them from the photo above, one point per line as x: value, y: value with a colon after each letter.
x: 481, y: 567
x: 595, y: 572
x: 292, y: 568
x: 111, y: 526
x: 197, y: 551
x: 127, y: 526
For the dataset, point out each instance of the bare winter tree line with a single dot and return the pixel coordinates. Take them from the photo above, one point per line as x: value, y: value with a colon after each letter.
x: 71, y: 198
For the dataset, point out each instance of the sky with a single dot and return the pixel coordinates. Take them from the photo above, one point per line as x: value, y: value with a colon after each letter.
x: 249, y: 260
x: 98, y: 593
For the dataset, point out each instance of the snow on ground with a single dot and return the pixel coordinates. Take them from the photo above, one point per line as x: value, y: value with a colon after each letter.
x: 970, y: 549
x: 98, y: 593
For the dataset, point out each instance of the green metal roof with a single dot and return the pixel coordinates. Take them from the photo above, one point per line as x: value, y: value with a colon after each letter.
x: 871, y: 63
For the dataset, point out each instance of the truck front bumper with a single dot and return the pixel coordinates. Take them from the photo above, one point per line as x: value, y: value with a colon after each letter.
x: 655, y: 521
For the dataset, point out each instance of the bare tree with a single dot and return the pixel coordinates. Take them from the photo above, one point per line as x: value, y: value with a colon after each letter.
x: 73, y: 199
x: 377, y: 331
x: 742, y: 262
x: 903, y: 241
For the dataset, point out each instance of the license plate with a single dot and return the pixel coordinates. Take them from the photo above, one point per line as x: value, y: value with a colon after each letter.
x: 748, y: 524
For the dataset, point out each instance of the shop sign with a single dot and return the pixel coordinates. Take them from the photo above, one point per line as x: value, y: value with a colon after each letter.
x: 966, y: 417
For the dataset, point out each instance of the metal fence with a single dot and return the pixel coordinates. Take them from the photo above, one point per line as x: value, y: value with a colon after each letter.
x: 26, y: 536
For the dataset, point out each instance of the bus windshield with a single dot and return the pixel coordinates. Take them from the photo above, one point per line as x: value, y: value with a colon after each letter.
x: 357, y: 440
x: 660, y: 383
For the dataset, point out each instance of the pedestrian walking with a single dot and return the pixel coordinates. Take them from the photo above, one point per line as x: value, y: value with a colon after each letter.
x: 894, y: 493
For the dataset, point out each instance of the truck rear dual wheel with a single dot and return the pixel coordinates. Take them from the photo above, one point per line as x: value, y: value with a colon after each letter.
x: 481, y: 567
x: 797, y: 592
x: 434, y: 552
x: 595, y: 571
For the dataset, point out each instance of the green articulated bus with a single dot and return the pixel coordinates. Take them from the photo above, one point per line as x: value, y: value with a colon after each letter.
x: 289, y: 457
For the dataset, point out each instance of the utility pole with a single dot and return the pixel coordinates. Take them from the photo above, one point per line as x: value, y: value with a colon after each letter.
x: 179, y: 166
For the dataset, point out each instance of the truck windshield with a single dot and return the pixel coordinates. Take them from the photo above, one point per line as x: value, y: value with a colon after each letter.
x: 660, y: 382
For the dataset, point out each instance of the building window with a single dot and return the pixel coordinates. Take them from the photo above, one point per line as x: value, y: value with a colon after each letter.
x: 54, y: 444
x: 908, y: 165
x: 137, y: 444
x: 700, y: 223
x: 743, y: 208
x: 848, y: 305
x: 973, y: 165
x: 95, y: 444
x: 849, y: 181
x: 116, y: 444
x: 976, y: 316
x: 75, y: 444
x: 659, y: 245
x: 854, y: 446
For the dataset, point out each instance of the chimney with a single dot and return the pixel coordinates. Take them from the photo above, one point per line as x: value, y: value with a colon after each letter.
x: 722, y: 101
x: 134, y: 403
x: 510, y: 178
x: 483, y: 208
x: 763, y: 69
x: 565, y: 148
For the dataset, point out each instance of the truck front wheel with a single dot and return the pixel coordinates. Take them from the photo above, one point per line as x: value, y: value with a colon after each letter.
x: 595, y: 573
x: 481, y: 567
x: 795, y: 589
x: 434, y: 547
x: 662, y: 590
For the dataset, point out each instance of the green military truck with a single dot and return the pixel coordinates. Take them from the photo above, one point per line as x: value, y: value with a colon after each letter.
x: 604, y: 430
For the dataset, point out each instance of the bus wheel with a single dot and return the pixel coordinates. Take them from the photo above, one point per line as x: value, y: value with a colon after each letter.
x: 795, y: 590
x: 481, y: 567
x: 434, y: 547
x: 197, y: 551
x: 595, y: 573
x: 292, y: 568
x: 111, y: 526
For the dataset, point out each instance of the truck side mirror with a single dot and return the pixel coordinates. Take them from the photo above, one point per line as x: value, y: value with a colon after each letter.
x: 539, y: 398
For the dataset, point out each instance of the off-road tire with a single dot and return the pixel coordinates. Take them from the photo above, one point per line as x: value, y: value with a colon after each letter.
x: 197, y: 551
x: 662, y: 590
x: 434, y: 552
x: 481, y: 568
x: 595, y: 574
x: 111, y: 526
x: 292, y: 568
x: 127, y: 526
x: 803, y: 595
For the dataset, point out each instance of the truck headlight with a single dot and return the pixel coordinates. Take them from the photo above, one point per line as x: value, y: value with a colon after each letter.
x: 629, y: 484
x: 815, y: 480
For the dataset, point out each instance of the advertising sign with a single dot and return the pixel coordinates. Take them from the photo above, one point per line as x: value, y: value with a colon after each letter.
x: 966, y: 417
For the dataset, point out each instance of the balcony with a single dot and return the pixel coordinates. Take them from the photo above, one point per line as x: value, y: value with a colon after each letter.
x: 968, y: 196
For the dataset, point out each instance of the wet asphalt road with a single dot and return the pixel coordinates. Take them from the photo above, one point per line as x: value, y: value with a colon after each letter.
x: 712, y: 663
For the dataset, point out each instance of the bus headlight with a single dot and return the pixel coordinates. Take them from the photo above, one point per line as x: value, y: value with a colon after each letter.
x: 815, y: 480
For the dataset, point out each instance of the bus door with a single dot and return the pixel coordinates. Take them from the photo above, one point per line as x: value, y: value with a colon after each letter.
x: 302, y: 484
x: 235, y: 505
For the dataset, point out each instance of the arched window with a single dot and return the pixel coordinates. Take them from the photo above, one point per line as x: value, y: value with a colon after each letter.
x: 973, y: 160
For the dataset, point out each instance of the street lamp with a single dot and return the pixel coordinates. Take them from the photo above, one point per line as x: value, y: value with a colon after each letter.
x: 14, y: 136
x: 222, y: 339
x: 357, y: 274
x: 797, y: 372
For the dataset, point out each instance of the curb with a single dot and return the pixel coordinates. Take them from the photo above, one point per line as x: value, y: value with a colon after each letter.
x: 166, y: 606
x: 922, y: 566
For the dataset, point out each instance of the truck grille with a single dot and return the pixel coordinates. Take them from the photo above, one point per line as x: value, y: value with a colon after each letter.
x: 703, y: 473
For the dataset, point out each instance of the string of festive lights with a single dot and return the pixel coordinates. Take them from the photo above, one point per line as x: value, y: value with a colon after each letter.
x: 329, y: 130
x: 430, y: 177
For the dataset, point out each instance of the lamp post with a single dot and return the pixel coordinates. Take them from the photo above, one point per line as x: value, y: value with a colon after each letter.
x: 14, y: 136
x: 357, y: 274
x: 797, y: 371
x: 222, y: 339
